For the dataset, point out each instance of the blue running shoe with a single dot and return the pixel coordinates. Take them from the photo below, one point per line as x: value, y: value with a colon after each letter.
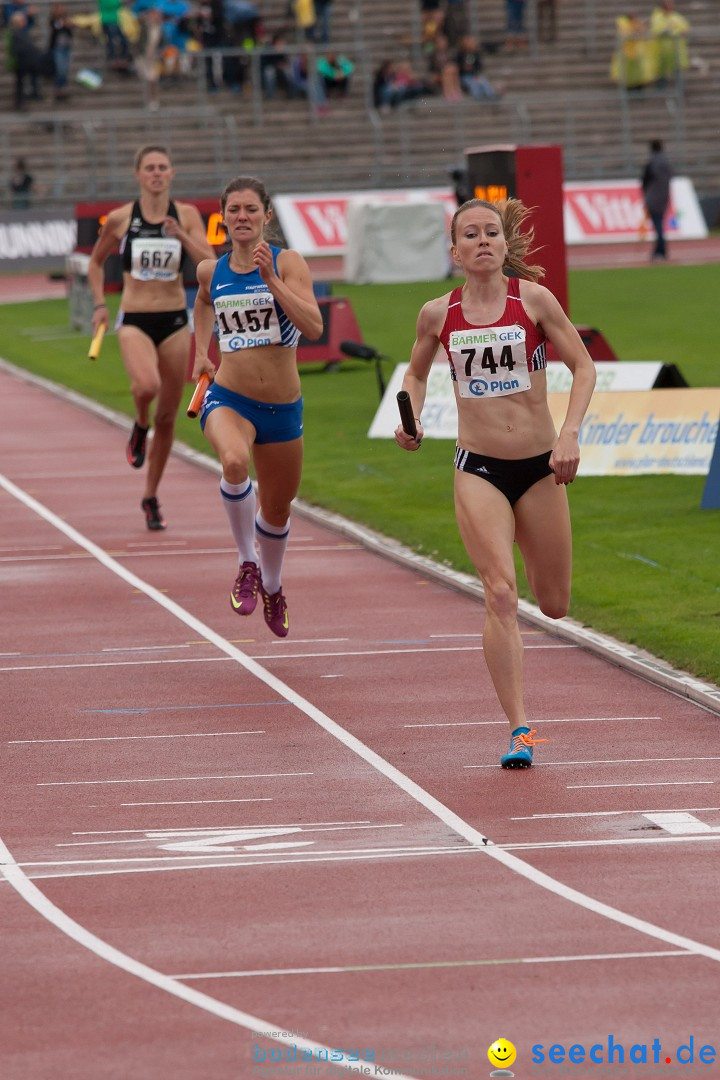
x: 520, y: 754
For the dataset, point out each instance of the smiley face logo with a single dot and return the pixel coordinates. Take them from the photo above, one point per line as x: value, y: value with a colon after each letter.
x: 502, y: 1053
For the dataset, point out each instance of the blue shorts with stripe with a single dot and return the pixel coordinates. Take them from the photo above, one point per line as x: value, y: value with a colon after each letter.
x: 273, y: 423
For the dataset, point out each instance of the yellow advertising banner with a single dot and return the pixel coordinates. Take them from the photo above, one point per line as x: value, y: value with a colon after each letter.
x: 633, y: 433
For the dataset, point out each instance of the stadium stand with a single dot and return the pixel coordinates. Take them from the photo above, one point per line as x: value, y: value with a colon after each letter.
x: 555, y: 93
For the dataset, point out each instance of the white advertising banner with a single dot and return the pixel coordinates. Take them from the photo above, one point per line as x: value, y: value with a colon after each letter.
x: 318, y: 224
x: 603, y: 211
x: 611, y: 211
x: 625, y: 432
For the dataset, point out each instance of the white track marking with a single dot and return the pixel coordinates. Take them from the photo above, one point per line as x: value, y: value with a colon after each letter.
x: 681, y: 823
x: 349, y: 968
x: 214, y: 828
x: 168, y: 779
x: 609, y: 813
x: 192, y: 802
x: 131, y: 738
x: 608, y: 761
x: 33, y: 896
x: 263, y: 656
x: 553, y: 720
x: 413, y: 790
x: 651, y: 783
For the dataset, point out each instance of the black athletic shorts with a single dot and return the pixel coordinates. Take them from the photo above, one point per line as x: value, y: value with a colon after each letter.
x: 158, y: 325
x: 513, y: 477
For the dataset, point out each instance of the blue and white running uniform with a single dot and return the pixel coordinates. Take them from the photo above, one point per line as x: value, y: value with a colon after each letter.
x: 247, y: 315
x: 246, y: 312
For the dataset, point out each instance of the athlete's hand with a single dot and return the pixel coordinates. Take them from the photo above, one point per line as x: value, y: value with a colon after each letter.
x: 171, y: 227
x: 203, y: 366
x: 263, y: 259
x: 565, y: 459
x: 407, y: 442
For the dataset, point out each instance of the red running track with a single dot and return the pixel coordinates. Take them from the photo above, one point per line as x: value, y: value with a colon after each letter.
x: 208, y: 832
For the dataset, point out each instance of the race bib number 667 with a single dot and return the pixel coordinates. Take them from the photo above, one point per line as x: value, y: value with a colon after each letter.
x: 490, y: 361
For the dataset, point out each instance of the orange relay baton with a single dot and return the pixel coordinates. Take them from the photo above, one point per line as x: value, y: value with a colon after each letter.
x: 198, y: 394
x: 94, y: 350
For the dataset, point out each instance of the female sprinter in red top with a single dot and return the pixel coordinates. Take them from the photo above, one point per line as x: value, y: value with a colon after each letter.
x: 512, y: 467
x: 260, y: 299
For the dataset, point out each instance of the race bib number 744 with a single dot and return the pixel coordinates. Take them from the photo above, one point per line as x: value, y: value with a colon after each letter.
x: 490, y: 361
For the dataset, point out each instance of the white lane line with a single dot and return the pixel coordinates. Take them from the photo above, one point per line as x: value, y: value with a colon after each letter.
x: 191, y: 861
x: 130, y: 738
x: 120, y: 663
x: 619, y: 842
x: 168, y: 779
x: 553, y: 720
x: 159, y: 553
x: 193, y: 802
x: 214, y: 828
x: 609, y: 813
x: 349, y: 968
x: 217, y: 833
x: 39, y: 901
x: 608, y: 761
x: 413, y: 790
x: 269, y: 656
x: 650, y: 783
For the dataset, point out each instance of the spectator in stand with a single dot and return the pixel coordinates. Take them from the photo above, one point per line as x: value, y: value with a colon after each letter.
x: 60, y: 48
x: 305, y: 18
x: 117, y: 50
x: 668, y: 30
x: 432, y: 21
x: 21, y: 185
x: 335, y: 71
x: 470, y: 68
x: 456, y: 24
x: 631, y: 65
x: 210, y: 29
x: 323, y: 10
x: 655, y: 181
x: 148, y: 55
x: 547, y: 20
x: 516, y: 34
x: 25, y: 59
x: 308, y: 83
x: 395, y: 82
x: 276, y: 68
x: 444, y: 69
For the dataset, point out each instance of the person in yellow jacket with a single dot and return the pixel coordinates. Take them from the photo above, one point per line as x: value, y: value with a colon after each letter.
x: 305, y: 17
x: 669, y: 30
x: 631, y: 65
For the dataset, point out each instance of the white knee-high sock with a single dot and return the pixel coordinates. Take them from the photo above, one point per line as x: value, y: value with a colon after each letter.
x: 272, y: 542
x: 239, y: 502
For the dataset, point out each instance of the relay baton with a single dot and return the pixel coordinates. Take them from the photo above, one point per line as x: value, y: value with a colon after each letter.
x: 406, y: 413
x: 94, y: 350
x: 199, y: 393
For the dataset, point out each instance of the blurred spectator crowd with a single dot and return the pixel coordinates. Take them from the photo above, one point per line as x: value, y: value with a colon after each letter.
x: 159, y: 39
x: 651, y: 51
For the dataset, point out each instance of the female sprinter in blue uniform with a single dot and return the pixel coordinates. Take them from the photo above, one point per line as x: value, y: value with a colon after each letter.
x: 154, y: 233
x: 260, y: 299
x: 511, y: 465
